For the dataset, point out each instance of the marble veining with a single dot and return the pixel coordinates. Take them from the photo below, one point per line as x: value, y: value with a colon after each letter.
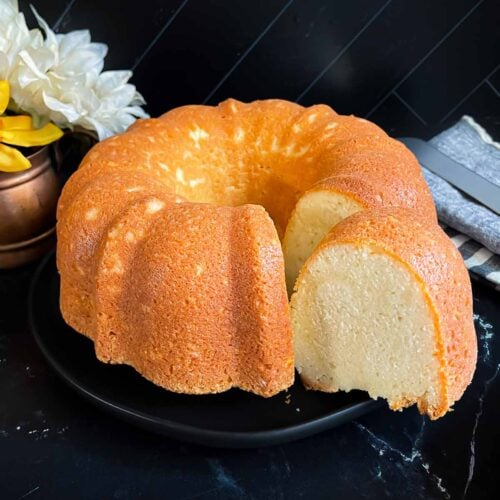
x: 479, y: 413
x: 383, y: 447
x: 30, y: 492
x: 485, y: 337
x: 224, y: 478
x: 485, y: 330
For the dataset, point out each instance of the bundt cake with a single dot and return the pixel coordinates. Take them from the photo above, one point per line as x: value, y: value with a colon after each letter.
x: 167, y: 251
x: 384, y: 305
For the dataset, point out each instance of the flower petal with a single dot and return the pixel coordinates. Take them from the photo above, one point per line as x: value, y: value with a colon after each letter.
x: 8, y: 8
x: 31, y: 64
x: 71, y: 41
x: 102, y: 131
x: 50, y: 36
x: 109, y: 80
x: 16, y: 122
x: 27, y: 138
x: 4, y: 95
x: 11, y: 160
x: 119, y: 97
x: 136, y: 111
x: 67, y: 110
x: 138, y: 99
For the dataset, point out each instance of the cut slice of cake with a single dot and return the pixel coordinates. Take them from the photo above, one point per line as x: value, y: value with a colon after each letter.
x: 384, y: 305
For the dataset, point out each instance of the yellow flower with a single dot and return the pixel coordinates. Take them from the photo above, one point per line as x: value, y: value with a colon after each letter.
x: 19, y: 131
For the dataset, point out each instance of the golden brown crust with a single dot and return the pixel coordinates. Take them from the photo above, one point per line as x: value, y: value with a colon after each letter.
x: 211, y: 325
x: 377, y: 171
x: 424, y: 248
x: 113, y: 259
x: 80, y: 228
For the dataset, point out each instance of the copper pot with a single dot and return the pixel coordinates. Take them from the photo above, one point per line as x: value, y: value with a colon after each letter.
x: 28, y: 201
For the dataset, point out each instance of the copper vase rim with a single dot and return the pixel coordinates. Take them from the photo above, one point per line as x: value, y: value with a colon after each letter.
x: 27, y: 243
x: 38, y: 165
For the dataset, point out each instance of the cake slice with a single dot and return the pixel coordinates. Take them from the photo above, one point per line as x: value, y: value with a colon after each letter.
x: 384, y: 305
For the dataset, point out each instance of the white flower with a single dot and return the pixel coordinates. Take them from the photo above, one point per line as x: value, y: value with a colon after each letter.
x: 14, y: 35
x: 60, y: 78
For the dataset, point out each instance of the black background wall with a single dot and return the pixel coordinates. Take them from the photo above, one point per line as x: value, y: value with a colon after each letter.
x: 414, y: 67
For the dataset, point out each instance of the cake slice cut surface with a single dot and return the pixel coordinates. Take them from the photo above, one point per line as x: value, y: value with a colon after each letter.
x: 384, y: 306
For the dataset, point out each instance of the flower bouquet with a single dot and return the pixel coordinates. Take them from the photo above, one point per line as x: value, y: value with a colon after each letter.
x: 50, y: 84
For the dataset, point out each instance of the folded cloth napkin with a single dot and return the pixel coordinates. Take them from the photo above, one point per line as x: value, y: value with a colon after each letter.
x: 473, y: 228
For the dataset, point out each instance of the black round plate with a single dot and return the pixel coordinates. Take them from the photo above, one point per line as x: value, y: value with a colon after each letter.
x: 232, y: 419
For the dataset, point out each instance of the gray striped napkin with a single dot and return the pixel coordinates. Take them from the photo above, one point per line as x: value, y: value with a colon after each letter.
x: 481, y: 262
x: 473, y: 228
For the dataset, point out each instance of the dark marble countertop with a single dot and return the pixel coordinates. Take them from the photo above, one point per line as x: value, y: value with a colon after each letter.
x: 55, y: 445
